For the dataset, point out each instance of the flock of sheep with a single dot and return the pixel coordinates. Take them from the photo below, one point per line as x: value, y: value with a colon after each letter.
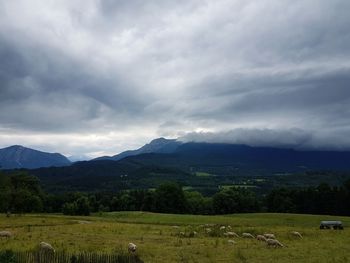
x: 48, y: 248
x: 226, y: 231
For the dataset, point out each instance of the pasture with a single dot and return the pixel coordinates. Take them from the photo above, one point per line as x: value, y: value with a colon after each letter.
x: 159, y: 237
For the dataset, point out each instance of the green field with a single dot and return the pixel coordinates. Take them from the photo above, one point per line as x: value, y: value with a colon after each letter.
x: 159, y: 241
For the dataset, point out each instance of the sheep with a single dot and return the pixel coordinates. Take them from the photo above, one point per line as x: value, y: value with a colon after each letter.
x: 296, y: 234
x: 273, y: 243
x: 229, y: 227
x: 208, y: 230
x: 247, y: 235
x: 83, y: 222
x: 182, y: 234
x: 132, y: 248
x: 261, y: 238
x: 230, y: 241
x: 46, y: 247
x: 222, y: 228
x: 6, y: 234
x: 175, y: 227
x: 231, y: 234
x: 271, y: 236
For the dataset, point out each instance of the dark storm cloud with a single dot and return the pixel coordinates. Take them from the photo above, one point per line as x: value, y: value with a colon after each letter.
x: 257, y: 72
x: 294, y: 138
x: 45, y: 90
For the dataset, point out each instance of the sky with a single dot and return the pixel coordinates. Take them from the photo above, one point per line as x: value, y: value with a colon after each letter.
x: 96, y: 77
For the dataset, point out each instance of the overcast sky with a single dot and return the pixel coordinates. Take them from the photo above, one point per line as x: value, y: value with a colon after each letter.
x: 95, y: 77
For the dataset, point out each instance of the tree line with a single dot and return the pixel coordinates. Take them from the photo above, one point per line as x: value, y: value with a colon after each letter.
x: 22, y: 193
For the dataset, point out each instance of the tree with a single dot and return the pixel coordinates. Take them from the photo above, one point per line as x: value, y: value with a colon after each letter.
x: 78, y: 207
x: 82, y: 205
x: 170, y: 198
x: 20, y: 192
x: 197, y: 203
x: 235, y: 200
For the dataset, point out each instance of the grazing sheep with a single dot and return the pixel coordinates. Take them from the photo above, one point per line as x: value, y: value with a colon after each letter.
x: 208, y: 230
x: 247, y: 235
x: 261, y: 238
x: 222, y: 228
x: 230, y: 234
x: 175, y: 227
x: 296, y: 234
x: 271, y: 236
x: 6, y: 234
x: 273, y: 243
x: 83, y: 222
x: 232, y: 242
x: 132, y: 248
x: 46, y: 247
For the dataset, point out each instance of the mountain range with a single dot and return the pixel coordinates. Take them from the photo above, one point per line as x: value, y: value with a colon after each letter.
x: 203, y: 165
x: 213, y: 158
x: 17, y: 156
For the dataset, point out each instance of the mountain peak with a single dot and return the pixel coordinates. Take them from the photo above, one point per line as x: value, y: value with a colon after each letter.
x: 18, y: 156
x: 16, y: 146
x: 161, y: 140
x: 159, y: 145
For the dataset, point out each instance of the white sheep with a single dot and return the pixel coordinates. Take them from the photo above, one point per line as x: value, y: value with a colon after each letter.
x: 231, y: 234
x: 261, y: 238
x: 296, y: 234
x: 273, y: 243
x: 230, y: 241
x: 222, y: 228
x: 271, y: 236
x: 247, y: 235
x: 208, y: 230
x: 46, y: 247
x: 132, y: 248
x: 6, y: 234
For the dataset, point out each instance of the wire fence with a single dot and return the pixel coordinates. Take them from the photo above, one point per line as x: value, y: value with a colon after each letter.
x: 64, y: 257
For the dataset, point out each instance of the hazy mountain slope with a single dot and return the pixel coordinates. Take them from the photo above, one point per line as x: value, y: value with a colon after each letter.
x: 21, y: 157
x: 160, y: 145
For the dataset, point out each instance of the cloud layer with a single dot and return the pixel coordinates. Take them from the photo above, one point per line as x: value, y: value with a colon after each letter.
x: 99, y: 76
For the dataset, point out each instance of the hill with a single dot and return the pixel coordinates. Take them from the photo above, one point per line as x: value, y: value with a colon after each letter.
x: 17, y: 156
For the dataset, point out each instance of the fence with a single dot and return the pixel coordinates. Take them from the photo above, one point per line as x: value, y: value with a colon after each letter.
x: 64, y: 257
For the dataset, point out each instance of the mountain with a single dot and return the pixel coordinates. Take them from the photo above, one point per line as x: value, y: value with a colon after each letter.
x: 160, y: 145
x: 232, y: 159
x: 200, y: 166
x: 17, y: 156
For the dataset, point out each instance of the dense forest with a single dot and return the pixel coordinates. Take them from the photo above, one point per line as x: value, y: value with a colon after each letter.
x: 22, y: 193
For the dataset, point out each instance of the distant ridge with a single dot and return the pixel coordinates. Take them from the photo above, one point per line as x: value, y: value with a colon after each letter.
x: 159, y: 145
x: 17, y: 156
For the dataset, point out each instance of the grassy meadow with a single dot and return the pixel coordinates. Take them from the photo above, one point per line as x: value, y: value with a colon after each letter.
x: 159, y: 241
